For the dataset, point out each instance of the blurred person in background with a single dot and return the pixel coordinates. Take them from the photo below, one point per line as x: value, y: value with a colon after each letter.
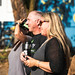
x: 71, y: 70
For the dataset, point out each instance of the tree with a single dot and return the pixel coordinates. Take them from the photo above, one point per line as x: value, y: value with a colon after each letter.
x: 21, y: 8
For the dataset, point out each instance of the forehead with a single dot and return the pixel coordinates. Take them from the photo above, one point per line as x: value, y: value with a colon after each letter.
x: 31, y: 16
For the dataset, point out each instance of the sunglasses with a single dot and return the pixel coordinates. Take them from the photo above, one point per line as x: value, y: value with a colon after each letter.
x: 42, y: 22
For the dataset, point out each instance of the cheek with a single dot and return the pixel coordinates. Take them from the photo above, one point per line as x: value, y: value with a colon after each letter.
x: 44, y: 30
x: 32, y: 26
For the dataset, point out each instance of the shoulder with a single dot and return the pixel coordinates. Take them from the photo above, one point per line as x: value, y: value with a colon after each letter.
x: 54, y: 41
x: 54, y: 45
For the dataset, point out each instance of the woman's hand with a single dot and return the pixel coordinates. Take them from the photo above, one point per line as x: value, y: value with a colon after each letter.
x: 30, y: 62
x: 22, y: 57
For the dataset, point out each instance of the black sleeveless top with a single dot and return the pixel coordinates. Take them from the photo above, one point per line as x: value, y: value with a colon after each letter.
x: 51, y: 51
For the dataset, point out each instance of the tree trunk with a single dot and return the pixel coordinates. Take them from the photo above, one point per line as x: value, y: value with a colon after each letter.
x: 21, y: 8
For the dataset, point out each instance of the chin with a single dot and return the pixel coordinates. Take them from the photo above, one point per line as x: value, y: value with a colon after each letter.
x: 42, y: 34
x: 30, y: 30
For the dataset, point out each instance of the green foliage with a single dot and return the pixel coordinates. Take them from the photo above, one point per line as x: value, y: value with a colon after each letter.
x: 3, y: 56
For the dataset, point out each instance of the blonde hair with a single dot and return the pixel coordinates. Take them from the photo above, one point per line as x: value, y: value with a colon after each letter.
x: 56, y: 29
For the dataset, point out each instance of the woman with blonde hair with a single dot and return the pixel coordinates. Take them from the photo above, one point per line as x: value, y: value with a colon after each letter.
x: 53, y: 56
x: 56, y: 29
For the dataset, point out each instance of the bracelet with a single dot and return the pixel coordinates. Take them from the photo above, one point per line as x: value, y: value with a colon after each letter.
x: 38, y: 63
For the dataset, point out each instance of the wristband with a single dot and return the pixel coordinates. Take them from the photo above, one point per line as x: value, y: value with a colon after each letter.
x: 17, y: 23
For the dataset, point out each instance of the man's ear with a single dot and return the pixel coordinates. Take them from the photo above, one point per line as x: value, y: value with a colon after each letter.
x: 38, y: 22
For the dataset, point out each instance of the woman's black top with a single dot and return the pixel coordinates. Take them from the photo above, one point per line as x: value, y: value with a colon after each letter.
x: 52, y: 52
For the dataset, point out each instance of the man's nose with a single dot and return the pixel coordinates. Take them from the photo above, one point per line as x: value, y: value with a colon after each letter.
x: 26, y: 23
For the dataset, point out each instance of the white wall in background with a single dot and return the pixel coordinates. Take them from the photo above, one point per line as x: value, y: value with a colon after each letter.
x: 6, y: 11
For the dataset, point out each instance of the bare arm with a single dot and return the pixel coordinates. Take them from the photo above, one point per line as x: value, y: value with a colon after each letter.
x: 33, y: 62
x: 20, y: 33
x: 54, y: 56
x: 44, y: 66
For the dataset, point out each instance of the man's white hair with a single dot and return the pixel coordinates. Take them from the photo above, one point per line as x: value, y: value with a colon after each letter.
x: 38, y: 14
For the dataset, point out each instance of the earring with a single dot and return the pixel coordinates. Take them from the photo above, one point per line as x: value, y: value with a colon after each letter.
x: 39, y: 26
